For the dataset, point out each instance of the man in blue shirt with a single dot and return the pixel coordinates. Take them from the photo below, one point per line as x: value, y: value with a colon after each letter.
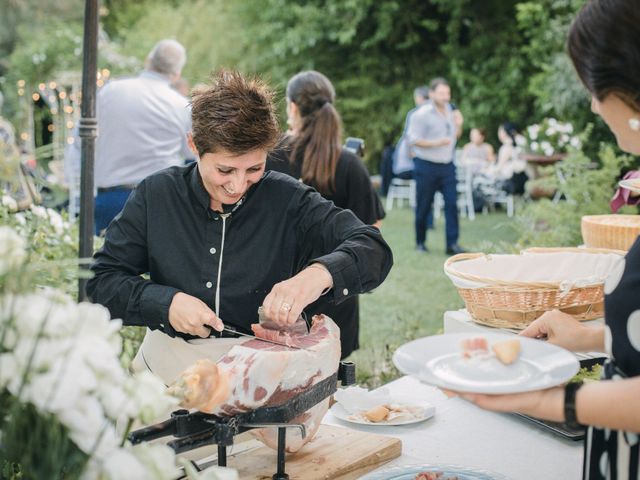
x: 432, y: 132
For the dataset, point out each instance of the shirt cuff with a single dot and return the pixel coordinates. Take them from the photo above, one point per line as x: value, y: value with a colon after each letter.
x: 346, y: 279
x: 154, y: 307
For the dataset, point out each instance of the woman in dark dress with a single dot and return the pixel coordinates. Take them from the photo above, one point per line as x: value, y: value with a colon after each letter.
x: 312, y: 153
x: 603, y: 45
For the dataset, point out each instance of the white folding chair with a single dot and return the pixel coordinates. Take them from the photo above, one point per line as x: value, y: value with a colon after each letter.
x: 401, y: 190
x: 464, y: 187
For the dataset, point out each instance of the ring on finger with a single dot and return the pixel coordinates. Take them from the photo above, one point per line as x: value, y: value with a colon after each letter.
x: 285, y: 306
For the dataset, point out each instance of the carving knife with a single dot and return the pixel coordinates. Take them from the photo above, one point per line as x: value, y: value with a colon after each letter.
x: 275, y: 342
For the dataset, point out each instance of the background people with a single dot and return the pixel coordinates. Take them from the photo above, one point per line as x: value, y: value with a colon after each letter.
x: 603, y: 30
x: 509, y: 170
x: 220, y: 237
x: 143, y: 124
x: 312, y: 152
x: 478, y: 155
x: 432, y: 131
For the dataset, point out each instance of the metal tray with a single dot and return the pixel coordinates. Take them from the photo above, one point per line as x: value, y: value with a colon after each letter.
x: 563, y: 429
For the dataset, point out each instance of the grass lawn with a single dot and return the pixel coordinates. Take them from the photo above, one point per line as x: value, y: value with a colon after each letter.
x: 411, y: 302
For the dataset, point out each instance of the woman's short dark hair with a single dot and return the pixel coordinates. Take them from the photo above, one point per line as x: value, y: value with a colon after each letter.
x: 319, y: 138
x: 604, y: 48
x: 234, y: 114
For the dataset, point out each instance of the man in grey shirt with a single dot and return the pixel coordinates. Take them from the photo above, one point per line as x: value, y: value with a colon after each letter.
x: 432, y: 132
x: 142, y: 128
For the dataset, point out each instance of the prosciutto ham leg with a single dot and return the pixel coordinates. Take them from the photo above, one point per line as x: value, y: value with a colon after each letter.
x: 258, y: 374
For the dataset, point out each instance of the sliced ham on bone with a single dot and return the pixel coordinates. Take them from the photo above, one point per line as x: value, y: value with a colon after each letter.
x: 258, y: 374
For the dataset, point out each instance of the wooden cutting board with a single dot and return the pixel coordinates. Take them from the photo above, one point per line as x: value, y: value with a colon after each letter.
x: 334, y: 453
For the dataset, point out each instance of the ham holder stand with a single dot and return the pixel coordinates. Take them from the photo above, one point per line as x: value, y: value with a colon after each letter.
x: 198, y: 429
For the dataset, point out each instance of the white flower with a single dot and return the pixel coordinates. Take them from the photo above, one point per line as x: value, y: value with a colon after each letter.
x: 12, y: 250
x: 533, y: 131
x: 10, y: 203
x: 59, y: 225
x: 86, y: 422
x: 564, y: 139
x: 535, y: 146
x: 521, y: 141
x: 552, y: 122
x: 550, y: 131
x: 19, y: 217
x: 150, y: 400
x: 123, y: 464
x: 569, y: 128
x: 39, y: 211
x: 575, y: 142
x: 158, y: 460
x: 546, y: 146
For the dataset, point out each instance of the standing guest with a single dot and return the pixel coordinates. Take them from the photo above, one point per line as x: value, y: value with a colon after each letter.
x: 221, y: 237
x: 604, y: 30
x: 142, y: 128
x: 432, y: 132
x: 403, y: 157
x: 312, y: 152
x: 403, y: 154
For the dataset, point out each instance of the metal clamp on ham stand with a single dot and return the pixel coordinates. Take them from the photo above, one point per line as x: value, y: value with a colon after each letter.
x: 197, y: 429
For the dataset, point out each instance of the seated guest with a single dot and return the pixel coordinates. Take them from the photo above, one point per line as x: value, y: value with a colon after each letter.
x: 478, y: 154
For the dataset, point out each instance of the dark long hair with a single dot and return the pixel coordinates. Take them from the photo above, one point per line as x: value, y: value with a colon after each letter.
x: 604, y: 48
x: 319, y: 138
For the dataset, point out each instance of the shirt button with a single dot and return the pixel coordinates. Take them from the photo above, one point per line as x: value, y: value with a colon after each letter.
x: 345, y: 291
x: 209, y: 284
x: 212, y: 250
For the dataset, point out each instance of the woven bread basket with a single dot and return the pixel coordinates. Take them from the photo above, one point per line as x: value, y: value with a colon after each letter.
x: 610, y: 231
x: 514, y: 300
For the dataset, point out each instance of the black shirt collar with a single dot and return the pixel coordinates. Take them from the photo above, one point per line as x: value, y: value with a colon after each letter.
x: 202, y: 196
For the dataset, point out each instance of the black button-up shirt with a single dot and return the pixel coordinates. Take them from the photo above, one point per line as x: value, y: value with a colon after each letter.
x: 168, y: 230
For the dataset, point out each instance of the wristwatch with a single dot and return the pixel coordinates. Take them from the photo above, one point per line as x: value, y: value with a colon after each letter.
x: 570, y: 391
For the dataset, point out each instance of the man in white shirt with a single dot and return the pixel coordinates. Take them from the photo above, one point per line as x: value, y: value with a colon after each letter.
x: 432, y: 132
x: 142, y: 128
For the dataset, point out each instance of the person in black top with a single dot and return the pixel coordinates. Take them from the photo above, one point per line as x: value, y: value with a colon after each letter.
x: 604, y: 48
x: 312, y: 152
x: 220, y: 237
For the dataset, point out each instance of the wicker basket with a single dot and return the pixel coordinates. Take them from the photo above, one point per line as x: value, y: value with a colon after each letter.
x: 610, y: 231
x: 514, y: 304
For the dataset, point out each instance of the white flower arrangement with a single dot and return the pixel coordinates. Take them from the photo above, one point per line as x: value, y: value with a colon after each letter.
x: 59, y: 367
x: 550, y: 137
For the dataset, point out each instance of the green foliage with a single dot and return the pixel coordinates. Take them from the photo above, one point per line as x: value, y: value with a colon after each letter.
x: 589, y: 187
x: 36, y: 446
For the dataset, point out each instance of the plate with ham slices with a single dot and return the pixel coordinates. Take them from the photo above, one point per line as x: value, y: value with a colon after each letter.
x: 378, y: 407
x: 491, y: 363
x: 432, y: 472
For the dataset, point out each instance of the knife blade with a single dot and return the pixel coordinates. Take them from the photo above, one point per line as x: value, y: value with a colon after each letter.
x: 275, y: 342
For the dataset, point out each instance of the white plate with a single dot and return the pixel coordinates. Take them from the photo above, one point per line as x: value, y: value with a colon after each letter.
x: 340, y: 412
x: 409, y: 472
x: 437, y: 360
x: 632, y: 184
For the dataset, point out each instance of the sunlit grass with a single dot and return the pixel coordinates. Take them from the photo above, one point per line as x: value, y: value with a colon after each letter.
x: 412, y: 301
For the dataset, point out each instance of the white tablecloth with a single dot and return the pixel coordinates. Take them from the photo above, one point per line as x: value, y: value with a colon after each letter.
x: 462, y: 434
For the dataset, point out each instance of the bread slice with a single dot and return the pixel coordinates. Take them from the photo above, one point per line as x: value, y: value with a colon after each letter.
x: 377, y: 414
x: 507, y: 351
